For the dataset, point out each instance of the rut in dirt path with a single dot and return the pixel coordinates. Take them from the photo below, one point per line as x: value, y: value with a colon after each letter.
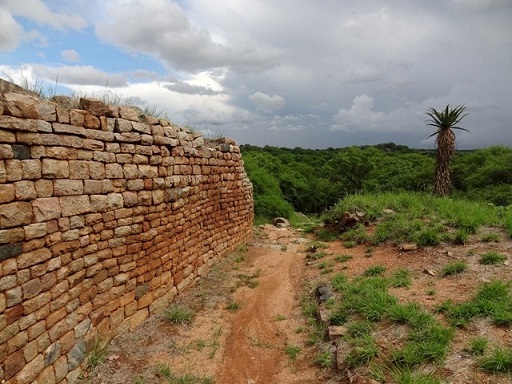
x: 254, y: 348
x: 247, y: 345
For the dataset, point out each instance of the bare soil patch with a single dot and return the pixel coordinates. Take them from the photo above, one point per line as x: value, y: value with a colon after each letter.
x: 247, y: 311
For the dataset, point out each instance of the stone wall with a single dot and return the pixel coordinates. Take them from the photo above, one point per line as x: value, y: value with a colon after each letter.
x: 105, y: 216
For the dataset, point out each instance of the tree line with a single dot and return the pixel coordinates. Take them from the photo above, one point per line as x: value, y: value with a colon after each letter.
x: 313, y: 180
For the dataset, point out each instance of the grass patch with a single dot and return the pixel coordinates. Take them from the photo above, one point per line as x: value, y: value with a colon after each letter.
x: 376, y: 270
x: 343, y: 258
x: 233, y: 306
x: 324, y: 358
x: 171, y: 378
x: 490, y: 238
x: 461, y: 237
x: 97, y: 354
x: 401, y: 278
x: 498, y: 361
x: 178, y: 315
x: 418, y: 217
x: 494, y: 300
x: 491, y: 258
x: 454, y: 268
x: 292, y: 351
x: 477, y: 346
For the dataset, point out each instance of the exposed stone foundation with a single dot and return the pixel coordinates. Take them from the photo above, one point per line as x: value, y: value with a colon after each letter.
x: 105, y: 216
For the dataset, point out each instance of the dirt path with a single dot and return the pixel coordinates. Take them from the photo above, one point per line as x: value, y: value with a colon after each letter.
x: 247, y: 312
x: 248, y: 326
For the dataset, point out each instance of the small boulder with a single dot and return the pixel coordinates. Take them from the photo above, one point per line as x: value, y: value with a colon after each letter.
x: 280, y: 222
x: 322, y: 293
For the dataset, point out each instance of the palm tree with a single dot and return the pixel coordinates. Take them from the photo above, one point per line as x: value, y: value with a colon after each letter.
x: 444, y: 122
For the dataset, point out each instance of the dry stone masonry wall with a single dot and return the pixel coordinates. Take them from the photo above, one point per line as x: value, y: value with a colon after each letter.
x: 105, y: 216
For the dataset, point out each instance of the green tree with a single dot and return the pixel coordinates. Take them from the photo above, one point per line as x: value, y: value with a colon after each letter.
x: 445, y: 121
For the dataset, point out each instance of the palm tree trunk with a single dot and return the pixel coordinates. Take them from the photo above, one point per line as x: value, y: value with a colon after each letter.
x: 445, y: 148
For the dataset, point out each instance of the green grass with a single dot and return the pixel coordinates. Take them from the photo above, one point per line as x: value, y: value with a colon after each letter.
x: 405, y: 375
x: 498, y: 361
x: 364, y: 349
x: 178, y: 315
x: 166, y: 373
x: 324, y: 358
x: 233, y: 306
x: 401, y: 278
x: 97, y: 354
x: 461, y: 237
x: 493, y: 299
x: 477, y: 346
x: 490, y: 238
x: 376, y: 270
x: 491, y: 258
x: 349, y: 244
x: 292, y: 351
x: 454, y: 268
x: 356, y: 234
x: 343, y: 258
x: 364, y: 302
x: 418, y: 217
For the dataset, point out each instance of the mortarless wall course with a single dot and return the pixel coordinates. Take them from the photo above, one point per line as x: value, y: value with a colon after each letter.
x: 105, y: 216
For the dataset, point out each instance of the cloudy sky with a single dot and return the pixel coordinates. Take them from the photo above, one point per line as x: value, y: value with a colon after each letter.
x: 290, y: 73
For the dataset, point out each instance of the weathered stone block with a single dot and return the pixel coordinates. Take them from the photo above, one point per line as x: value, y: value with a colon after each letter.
x: 15, y: 214
x: 25, y: 190
x: 29, y: 259
x: 7, y: 193
x: 68, y: 187
x: 46, y: 209
x: 44, y: 188
x: 55, y: 169
x: 75, y: 205
x: 31, y: 169
x: 13, y: 364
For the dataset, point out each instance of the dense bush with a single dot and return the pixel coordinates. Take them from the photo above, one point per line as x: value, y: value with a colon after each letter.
x: 311, y: 180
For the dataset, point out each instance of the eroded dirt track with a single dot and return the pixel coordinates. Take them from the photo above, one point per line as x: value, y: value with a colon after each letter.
x: 224, y: 344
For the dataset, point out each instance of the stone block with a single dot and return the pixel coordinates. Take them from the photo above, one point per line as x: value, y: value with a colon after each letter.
x: 13, y: 364
x: 34, y: 231
x: 78, y: 169
x: 31, y: 370
x: 44, y: 188
x: 7, y: 193
x: 25, y: 190
x: 29, y: 259
x: 61, y: 368
x: 8, y: 251
x: 31, y: 169
x: 6, y: 151
x: 31, y: 288
x: 96, y: 170
x: 75, y: 205
x: 114, y: 171
x: 46, y: 209
x: 55, y: 169
x: 15, y: 214
x: 47, y: 376
x: 68, y: 187
x: 138, y: 318
x: 30, y: 350
x: 91, y: 122
x: 37, y: 302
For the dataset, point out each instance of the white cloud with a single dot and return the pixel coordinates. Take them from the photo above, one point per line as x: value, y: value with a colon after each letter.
x: 360, y: 117
x: 80, y: 75
x: 70, y: 55
x: 12, y: 32
x: 172, y: 37
x: 39, y: 12
x: 267, y: 103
